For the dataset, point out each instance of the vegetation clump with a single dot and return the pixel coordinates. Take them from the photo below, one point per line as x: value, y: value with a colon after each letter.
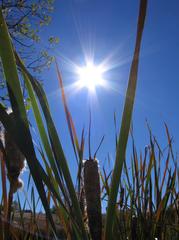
x: 140, y: 195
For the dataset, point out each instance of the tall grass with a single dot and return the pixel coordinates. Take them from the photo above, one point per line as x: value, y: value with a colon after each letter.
x: 125, y: 125
x: 147, y: 196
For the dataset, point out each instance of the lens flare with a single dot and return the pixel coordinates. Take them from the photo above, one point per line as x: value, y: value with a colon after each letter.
x: 90, y: 76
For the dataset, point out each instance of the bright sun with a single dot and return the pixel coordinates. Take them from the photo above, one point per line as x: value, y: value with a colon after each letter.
x: 90, y: 76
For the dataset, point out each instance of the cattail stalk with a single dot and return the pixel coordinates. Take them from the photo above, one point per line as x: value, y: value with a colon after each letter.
x: 3, y: 179
x: 3, y: 224
x: 93, y: 198
x: 3, y: 169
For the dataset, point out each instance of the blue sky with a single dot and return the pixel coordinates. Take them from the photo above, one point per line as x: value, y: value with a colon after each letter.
x: 107, y: 29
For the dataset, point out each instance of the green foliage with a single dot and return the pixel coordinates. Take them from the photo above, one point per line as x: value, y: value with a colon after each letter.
x: 142, y: 199
x: 24, y: 20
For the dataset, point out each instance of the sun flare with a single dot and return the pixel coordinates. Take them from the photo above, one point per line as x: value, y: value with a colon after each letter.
x: 90, y: 76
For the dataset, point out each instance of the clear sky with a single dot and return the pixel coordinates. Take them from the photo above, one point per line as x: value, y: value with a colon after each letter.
x: 105, y: 29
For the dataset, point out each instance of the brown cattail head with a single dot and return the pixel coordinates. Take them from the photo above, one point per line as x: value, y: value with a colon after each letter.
x: 82, y: 201
x: 121, y: 200
x: 93, y: 198
x: 14, y: 161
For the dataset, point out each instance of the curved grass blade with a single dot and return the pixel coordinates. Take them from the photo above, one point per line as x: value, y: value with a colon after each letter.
x: 47, y: 147
x: 44, y: 136
x: 73, y: 135
x: 125, y: 125
x: 71, y: 126
x: 56, y: 146
x: 20, y: 132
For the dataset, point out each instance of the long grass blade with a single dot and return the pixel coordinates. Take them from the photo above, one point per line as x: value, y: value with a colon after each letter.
x: 43, y: 134
x: 56, y: 146
x: 70, y: 123
x: 21, y: 130
x: 125, y: 125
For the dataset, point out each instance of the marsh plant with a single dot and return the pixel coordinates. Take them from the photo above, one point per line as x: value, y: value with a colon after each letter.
x: 141, y: 203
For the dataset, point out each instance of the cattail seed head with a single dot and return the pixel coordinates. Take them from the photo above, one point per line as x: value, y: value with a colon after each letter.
x: 93, y: 198
x: 121, y: 200
x: 14, y: 161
